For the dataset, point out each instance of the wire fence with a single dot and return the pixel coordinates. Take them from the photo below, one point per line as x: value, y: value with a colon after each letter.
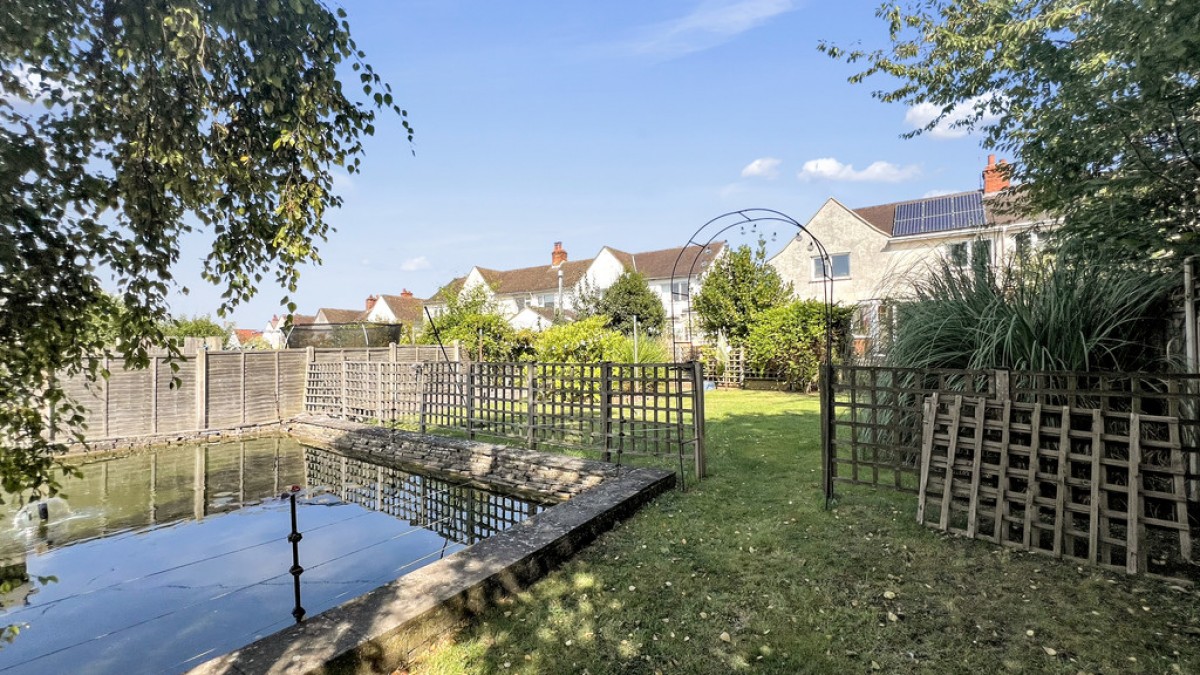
x: 610, y: 410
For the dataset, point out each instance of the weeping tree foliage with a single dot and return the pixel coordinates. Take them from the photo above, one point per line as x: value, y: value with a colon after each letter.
x: 125, y: 126
x: 1051, y: 314
x: 1098, y: 101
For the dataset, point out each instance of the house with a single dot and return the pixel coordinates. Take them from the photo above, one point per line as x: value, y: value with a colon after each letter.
x: 531, y: 297
x: 876, y: 251
x: 405, y: 309
x: 241, y: 338
x: 329, y: 315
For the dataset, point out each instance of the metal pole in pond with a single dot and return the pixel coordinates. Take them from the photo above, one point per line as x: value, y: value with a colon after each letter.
x: 296, y: 569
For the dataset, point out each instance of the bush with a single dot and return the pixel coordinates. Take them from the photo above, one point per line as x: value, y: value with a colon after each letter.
x: 585, y: 341
x: 790, y: 341
x: 1065, y: 313
x: 649, y: 350
x: 630, y: 296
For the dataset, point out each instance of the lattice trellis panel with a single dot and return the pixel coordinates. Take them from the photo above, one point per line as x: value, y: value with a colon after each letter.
x: 1101, y: 486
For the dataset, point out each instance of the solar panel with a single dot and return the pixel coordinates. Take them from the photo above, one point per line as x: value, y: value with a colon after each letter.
x: 940, y: 214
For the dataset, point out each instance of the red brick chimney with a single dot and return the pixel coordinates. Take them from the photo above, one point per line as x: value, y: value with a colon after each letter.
x: 406, y: 293
x: 371, y: 300
x: 995, y: 176
x: 559, y: 255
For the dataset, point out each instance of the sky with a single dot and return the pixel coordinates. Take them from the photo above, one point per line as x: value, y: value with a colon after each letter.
x: 626, y: 124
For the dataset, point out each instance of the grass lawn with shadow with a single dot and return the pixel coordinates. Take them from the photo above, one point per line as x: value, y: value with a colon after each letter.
x: 747, y: 571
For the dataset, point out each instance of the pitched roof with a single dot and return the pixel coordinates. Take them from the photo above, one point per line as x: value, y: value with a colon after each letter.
x: 1000, y: 208
x: 531, y: 279
x: 342, y: 315
x: 245, y: 335
x: 659, y: 264
x: 407, y: 309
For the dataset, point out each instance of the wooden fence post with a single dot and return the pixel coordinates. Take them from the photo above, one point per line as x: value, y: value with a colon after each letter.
x: 242, y: 383
x: 201, y: 390
x: 470, y: 399
x: 606, y: 409
x: 278, y: 405
x: 698, y: 417
x: 421, y: 397
x: 107, y: 375
x: 531, y: 405
x: 345, y: 385
x: 153, y: 395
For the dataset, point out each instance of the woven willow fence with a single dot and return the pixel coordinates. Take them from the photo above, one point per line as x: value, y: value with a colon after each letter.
x: 607, y: 409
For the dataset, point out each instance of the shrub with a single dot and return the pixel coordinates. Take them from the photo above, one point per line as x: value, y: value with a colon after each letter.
x: 1064, y: 313
x: 736, y: 289
x: 790, y: 340
x: 630, y: 296
x: 585, y: 341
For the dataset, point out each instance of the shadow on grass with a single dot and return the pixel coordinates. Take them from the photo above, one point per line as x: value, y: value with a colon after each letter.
x: 747, y: 571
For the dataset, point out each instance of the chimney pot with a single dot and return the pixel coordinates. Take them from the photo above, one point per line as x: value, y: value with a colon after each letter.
x: 406, y: 293
x: 995, y: 176
x: 559, y: 255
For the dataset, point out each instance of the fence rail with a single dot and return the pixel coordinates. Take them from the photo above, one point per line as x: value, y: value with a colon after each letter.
x: 613, y: 410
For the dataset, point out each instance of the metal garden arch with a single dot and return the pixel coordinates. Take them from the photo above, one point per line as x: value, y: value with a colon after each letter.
x: 741, y: 218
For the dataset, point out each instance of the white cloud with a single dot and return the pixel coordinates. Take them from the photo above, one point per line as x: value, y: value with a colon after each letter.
x: 763, y: 167
x: 413, y: 264
x: 828, y: 168
x: 712, y: 23
x: 921, y: 115
x: 938, y: 193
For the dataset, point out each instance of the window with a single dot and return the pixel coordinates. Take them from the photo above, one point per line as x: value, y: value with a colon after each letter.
x: 957, y: 254
x: 549, y: 300
x: 981, y: 252
x: 1025, y: 243
x: 679, y: 290
x: 523, y: 302
x: 839, y: 264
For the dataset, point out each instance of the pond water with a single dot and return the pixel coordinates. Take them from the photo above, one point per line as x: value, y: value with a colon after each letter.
x: 163, y: 559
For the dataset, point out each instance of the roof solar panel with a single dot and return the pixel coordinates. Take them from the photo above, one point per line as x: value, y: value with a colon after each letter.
x: 939, y: 214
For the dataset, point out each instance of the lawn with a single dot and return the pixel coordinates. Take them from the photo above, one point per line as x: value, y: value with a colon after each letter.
x: 746, y: 571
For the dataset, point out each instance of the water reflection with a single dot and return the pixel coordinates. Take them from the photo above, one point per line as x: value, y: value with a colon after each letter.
x: 167, y: 558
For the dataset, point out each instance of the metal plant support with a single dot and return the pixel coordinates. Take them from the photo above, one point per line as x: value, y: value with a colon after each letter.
x: 296, y: 570
x: 741, y: 218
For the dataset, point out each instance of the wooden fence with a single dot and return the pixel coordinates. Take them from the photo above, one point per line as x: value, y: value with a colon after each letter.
x: 210, y: 390
x: 612, y: 410
x: 1100, y: 487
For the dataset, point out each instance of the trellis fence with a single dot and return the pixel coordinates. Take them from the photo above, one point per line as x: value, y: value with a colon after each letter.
x: 874, y: 424
x: 608, y: 409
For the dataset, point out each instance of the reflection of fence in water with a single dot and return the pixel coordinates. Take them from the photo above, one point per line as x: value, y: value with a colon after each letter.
x: 460, y: 513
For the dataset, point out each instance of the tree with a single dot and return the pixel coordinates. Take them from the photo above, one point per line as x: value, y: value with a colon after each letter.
x: 790, y: 340
x: 630, y: 296
x: 739, y: 285
x: 124, y: 127
x: 196, y: 326
x: 1098, y: 101
x: 471, y: 318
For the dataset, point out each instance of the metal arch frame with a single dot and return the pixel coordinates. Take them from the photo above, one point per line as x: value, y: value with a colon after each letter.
x: 752, y: 216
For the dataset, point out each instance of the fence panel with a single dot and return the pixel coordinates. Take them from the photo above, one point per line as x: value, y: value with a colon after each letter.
x: 613, y: 410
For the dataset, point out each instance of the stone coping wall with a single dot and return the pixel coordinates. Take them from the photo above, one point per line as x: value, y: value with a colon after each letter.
x: 381, y: 631
x: 540, y: 475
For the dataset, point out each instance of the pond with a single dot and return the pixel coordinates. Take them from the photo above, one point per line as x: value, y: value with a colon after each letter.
x: 161, y: 560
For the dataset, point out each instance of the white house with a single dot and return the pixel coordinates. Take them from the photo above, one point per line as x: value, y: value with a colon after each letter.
x: 531, y: 297
x: 876, y: 251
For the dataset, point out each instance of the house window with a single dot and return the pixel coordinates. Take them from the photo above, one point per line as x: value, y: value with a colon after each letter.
x: 981, y: 252
x: 523, y: 302
x: 679, y: 290
x: 839, y: 267
x: 958, y: 253
x: 976, y: 252
x: 549, y: 300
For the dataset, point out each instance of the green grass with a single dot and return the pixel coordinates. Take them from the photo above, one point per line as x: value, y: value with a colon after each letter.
x: 751, y: 554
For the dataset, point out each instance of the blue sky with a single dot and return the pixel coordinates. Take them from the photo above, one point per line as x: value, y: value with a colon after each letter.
x: 627, y: 124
